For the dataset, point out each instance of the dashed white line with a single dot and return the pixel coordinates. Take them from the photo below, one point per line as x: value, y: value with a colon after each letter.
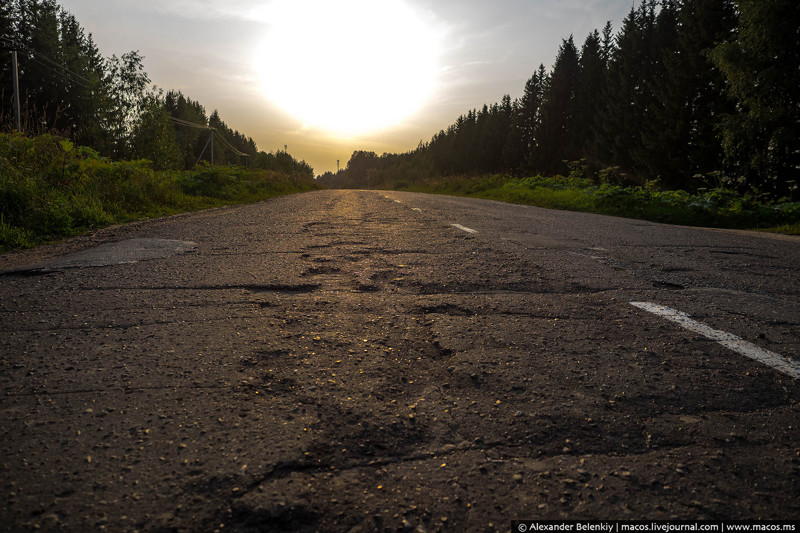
x: 464, y: 228
x: 787, y: 365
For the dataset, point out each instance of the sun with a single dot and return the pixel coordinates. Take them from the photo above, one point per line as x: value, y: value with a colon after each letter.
x: 349, y: 66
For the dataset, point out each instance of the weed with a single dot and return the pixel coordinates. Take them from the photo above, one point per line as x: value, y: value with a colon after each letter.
x: 717, y: 207
x: 50, y: 188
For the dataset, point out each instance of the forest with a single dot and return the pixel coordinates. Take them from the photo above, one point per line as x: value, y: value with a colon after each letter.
x: 98, y: 144
x: 108, y: 104
x: 688, y: 94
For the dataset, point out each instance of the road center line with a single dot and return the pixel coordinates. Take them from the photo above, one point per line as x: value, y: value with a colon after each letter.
x: 787, y: 365
x: 464, y: 228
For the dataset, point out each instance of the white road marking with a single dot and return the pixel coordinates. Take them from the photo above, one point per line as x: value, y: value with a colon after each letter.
x: 464, y: 228
x: 787, y: 365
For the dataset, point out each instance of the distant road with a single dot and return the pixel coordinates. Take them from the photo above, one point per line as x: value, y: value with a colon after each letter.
x: 362, y: 360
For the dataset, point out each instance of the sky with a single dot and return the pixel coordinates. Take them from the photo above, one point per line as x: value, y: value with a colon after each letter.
x: 327, y: 77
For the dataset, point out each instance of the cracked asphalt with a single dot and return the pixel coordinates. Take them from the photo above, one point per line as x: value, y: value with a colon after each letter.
x: 352, y: 361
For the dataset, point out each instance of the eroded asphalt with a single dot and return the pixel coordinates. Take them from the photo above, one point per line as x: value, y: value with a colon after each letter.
x: 351, y: 361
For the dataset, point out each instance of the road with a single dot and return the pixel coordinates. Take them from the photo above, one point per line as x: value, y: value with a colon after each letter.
x: 365, y: 360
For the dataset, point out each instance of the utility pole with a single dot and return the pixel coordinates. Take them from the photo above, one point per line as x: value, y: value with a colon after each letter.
x: 337, y: 166
x: 15, y: 76
x: 211, y: 142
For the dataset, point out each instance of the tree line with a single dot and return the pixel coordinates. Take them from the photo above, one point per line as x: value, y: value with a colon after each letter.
x: 67, y: 87
x: 694, y: 93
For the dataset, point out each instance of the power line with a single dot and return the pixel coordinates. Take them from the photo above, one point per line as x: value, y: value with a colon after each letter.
x: 214, y: 134
x: 56, y: 64
x: 31, y: 52
x: 61, y: 70
x: 234, y: 150
x: 53, y: 66
x: 70, y: 78
x: 188, y: 124
x: 222, y: 139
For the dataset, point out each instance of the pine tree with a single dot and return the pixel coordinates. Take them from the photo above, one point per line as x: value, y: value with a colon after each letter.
x: 684, y: 136
x: 654, y: 156
x: 191, y: 140
x: 553, y: 135
x: 762, y: 68
x: 37, y: 30
x: 607, y: 44
x: 86, y: 91
x: 7, y: 35
x: 497, y: 133
x: 629, y: 99
x: 587, y: 104
x: 221, y: 154
x: 521, y: 145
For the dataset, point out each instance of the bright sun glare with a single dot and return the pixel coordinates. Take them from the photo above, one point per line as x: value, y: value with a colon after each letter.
x: 349, y: 66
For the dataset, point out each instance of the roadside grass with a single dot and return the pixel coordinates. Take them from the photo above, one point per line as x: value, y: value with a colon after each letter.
x: 786, y: 229
x: 50, y: 189
x: 719, y: 208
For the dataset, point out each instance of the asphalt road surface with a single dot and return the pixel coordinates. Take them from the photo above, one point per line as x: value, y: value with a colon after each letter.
x: 362, y: 360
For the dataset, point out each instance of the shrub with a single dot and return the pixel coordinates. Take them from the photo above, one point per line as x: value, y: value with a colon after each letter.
x: 51, y: 188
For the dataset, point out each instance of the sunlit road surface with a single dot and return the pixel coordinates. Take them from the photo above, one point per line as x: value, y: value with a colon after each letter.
x: 360, y: 360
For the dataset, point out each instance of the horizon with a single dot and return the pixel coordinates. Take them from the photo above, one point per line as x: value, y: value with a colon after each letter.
x: 484, y: 52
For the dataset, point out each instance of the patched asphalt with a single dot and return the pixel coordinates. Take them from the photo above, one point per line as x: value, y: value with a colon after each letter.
x: 115, y: 253
x: 357, y: 361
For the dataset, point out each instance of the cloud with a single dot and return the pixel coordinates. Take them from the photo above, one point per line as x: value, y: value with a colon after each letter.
x: 250, y: 10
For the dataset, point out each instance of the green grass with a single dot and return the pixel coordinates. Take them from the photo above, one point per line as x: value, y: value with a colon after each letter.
x: 51, y: 189
x: 719, y: 208
x: 787, y: 229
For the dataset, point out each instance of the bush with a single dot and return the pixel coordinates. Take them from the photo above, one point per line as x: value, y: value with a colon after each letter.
x: 718, y: 207
x: 50, y: 188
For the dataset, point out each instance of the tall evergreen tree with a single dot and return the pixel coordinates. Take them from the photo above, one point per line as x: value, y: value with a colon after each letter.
x: 86, y: 90
x: 684, y: 134
x: 629, y: 98
x: 607, y: 44
x: 761, y: 64
x: 7, y: 35
x: 497, y: 133
x: 190, y: 140
x: 61, y: 73
x: 589, y: 89
x: 41, y: 81
x: 521, y: 145
x: 652, y: 156
x: 221, y: 154
x: 553, y: 136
